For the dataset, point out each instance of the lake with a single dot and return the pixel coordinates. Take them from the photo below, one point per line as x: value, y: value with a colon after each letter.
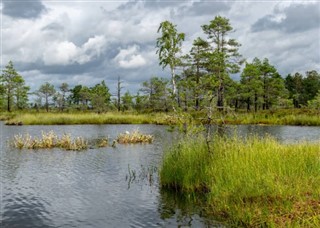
x: 103, y: 187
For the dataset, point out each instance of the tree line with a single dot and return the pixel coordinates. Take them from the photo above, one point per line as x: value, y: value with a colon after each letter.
x: 199, y: 79
x: 204, y: 73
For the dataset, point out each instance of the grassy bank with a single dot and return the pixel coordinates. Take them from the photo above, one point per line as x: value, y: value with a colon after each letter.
x: 301, y: 117
x: 85, y: 118
x: 280, y: 117
x: 251, y: 183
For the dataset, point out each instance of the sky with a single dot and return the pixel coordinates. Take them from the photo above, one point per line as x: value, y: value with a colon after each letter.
x: 85, y: 42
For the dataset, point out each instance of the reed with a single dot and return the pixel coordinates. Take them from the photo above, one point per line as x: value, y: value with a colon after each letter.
x: 49, y: 140
x: 134, y: 137
x: 250, y: 182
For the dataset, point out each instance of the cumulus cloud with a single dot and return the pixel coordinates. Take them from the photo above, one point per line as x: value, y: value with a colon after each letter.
x: 292, y: 19
x: 62, y: 53
x: 66, y: 52
x: 82, y: 42
x: 130, y: 58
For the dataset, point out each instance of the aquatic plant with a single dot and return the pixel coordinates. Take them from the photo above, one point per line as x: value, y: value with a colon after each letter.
x: 103, y: 142
x: 134, y: 137
x: 67, y: 143
x: 49, y: 140
x: 249, y: 182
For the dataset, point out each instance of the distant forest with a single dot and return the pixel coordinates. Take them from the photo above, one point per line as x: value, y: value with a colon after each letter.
x: 199, y: 79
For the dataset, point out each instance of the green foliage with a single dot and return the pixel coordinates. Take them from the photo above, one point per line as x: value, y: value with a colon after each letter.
x: 46, y: 91
x: 224, y: 57
x: 75, y: 95
x: 100, y: 97
x: 61, y: 97
x: 315, y: 103
x: 13, y: 88
x: 252, y: 85
x: 262, y: 85
x: 311, y: 84
x: 127, y: 101
x: 157, y: 94
x: 248, y: 182
x: 294, y: 85
x: 303, y: 89
x: 169, y: 45
x: 193, y: 78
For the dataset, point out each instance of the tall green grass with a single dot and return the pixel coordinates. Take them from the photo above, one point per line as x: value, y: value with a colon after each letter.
x: 86, y: 118
x: 272, y: 119
x: 278, y: 117
x: 249, y: 182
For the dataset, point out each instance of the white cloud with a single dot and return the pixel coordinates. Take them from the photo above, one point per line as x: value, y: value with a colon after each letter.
x: 130, y: 58
x: 63, y: 53
x: 91, y: 49
x: 98, y: 40
x: 66, y: 52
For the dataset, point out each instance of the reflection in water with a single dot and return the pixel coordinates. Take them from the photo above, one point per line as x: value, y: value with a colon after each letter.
x: 114, y: 186
x: 186, y: 209
x: 147, y: 175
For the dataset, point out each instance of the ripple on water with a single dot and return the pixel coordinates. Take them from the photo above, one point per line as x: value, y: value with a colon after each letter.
x: 55, y: 188
x: 25, y: 211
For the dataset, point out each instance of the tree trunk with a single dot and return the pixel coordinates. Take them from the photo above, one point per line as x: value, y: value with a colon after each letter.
x: 197, y: 85
x: 47, y: 104
x: 9, y: 103
x: 220, y: 94
x: 248, y: 104
x: 174, y: 86
x: 255, y: 102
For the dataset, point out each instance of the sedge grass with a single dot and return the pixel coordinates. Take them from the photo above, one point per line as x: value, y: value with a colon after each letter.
x: 249, y: 182
x: 279, y: 117
x: 49, y: 140
x: 87, y: 118
x: 303, y: 117
x: 134, y: 137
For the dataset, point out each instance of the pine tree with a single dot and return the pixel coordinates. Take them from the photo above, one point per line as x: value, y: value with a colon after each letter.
x: 224, y: 57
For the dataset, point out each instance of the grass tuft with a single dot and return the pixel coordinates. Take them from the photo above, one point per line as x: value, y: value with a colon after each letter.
x: 49, y: 140
x: 249, y: 182
x: 134, y: 137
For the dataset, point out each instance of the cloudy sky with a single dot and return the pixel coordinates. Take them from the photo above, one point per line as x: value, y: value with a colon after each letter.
x: 85, y: 42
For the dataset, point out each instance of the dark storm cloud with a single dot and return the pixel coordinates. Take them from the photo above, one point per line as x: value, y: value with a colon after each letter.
x: 23, y: 9
x: 297, y: 18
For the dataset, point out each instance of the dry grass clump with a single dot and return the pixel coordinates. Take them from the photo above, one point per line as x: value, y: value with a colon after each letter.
x: 103, y: 142
x: 49, y: 140
x: 134, y: 137
x: 67, y: 143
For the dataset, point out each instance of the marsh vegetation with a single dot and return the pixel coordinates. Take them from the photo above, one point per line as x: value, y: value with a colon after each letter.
x: 249, y: 182
x: 50, y: 139
x: 134, y: 137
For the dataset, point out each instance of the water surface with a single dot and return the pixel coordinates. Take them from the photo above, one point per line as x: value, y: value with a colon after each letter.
x: 102, y: 187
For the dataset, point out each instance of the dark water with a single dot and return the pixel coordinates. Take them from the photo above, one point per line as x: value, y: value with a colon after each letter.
x: 104, y: 187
